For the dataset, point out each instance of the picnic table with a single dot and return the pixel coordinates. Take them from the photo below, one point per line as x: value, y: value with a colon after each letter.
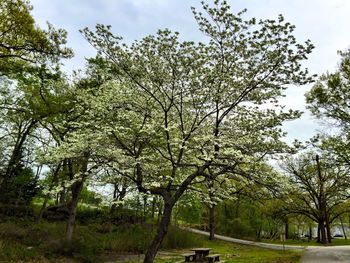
x: 201, y: 253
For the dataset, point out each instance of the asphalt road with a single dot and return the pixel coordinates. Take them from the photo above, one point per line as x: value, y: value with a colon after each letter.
x: 326, y: 254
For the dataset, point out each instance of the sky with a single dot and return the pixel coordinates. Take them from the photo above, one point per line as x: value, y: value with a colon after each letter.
x: 324, y: 22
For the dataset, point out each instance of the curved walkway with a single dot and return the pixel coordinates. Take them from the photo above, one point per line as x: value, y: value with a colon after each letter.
x: 326, y: 254
x: 246, y: 242
x: 312, y: 254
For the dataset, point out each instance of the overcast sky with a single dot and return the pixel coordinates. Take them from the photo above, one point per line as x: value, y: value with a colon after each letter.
x: 324, y: 22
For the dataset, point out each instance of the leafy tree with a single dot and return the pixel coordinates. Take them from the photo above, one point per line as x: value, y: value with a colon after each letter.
x: 89, y: 197
x: 29, y: 58
x: 77, y: 164
x: 329, y: 99
x: 120, y: 185
x: 318, y: 189
x: 256, y: 177
x: 177, y: 109
x: 22, y: 43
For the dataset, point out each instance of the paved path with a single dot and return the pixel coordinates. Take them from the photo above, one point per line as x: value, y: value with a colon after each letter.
x: 251, y: 243
x: 326, y: 254
x: 312, y: 254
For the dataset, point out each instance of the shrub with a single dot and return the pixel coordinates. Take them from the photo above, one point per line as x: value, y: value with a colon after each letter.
x: 178, y: 238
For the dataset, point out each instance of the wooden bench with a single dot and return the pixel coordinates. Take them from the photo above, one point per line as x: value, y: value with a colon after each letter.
x: 213, y: 258
x: 189, y: 257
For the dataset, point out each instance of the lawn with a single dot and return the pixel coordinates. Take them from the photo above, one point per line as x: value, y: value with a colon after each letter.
x: 229, y: 252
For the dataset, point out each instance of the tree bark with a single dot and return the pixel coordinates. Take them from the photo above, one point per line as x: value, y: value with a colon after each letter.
x: 118, y: 196
x: 144, y: 208
x: 153, y: 207
x: 211, y: 222
x: 54, y: 181
x: 286, y: 229
x: 322, y: 205
x: 323, y: 232
x: 161, y: 232
x: 342, y: 227
x: 328, y: 229
x: 17, y: 151
x: 159, y: 206
x: 310, y: 232
x: 76, y: 190
x: 15, y: 159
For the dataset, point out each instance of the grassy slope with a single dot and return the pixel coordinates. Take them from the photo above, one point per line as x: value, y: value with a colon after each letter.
x: 27, y: 242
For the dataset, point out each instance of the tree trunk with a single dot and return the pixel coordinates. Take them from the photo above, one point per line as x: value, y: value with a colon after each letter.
x: 161, y: 232
x: 237, y: 207
x: 342, y: 227
x: 15, y: 159
x: 153, y: 207
x: 17, y: 151
x: 310, y: 232
x: 286, y: 229
x: 118, y: 196
x: 322, y: 205
x: 68, y: 173
x: 318, y: 233
x: 76, y: 190
x: 160, y: 206
x: 211, y: 222
x: 323, y: 232
x: 258, y: 233
x: 144, y: 208
x: 115, y: 191
x: 54, y: 181
x: 328, y: 228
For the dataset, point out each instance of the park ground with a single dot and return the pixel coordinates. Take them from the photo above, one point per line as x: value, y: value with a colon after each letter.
x: 29, y: 242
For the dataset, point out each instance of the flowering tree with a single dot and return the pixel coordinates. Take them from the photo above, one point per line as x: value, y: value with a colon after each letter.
x: 177, y: 112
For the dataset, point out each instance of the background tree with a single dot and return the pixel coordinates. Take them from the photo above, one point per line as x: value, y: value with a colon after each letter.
x: 329, y: 100
x: 24, y: 44
x: 318, y: 190
x: 29, y: 58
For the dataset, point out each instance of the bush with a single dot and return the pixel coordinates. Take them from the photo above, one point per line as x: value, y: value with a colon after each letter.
x: 237, y: 227
x: 18, y: 211
x: 179, y: 238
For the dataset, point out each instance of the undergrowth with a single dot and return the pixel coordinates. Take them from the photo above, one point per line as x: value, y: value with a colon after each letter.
x: 30, y: 241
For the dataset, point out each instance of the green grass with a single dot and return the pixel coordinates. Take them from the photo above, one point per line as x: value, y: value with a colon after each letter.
x: 29, y: 242
x: 239, y: 253
x: 229, y: 253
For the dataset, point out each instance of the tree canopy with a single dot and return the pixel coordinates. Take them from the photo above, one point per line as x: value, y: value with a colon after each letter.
x: 23, y: 43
